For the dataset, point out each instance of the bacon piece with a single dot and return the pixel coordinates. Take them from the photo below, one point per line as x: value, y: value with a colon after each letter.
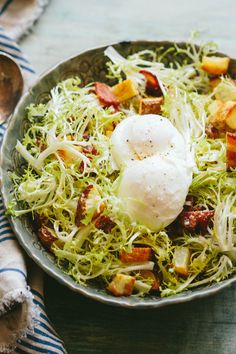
x: 138, y: 254
x: 90, y: 150
x: 105, y: 95
x: 148, y: 274
x: 121, y: 285
x: 41, y: 145
x: 152, y: 83
x: 105, y: 223
x: 212, y: 132
x: 46, y: 237
x: 88, y: 198
x: 86, y: 135
x: 197, y: 220
x: 230, y: 151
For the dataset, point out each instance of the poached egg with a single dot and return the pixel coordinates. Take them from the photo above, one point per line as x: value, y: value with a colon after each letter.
x: 155, y: 176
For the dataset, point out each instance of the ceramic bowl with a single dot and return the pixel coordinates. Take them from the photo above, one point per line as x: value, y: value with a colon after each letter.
x: 89, y: 66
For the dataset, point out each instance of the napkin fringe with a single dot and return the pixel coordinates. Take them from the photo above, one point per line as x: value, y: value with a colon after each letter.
x: 25, y: 28
x: 19, y: 296
x: 15, y: 296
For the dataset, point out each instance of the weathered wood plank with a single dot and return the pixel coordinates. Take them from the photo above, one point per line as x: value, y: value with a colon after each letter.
x: 206, y: 326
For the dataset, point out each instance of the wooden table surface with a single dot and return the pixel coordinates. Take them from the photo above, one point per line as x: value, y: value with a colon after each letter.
x: 206, y: 326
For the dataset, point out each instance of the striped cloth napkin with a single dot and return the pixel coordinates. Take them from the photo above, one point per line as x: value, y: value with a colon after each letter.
x: 24, y: 325
x: 17, y: 16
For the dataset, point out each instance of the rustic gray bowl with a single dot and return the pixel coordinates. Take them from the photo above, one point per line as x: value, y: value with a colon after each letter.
x: 90, y: 66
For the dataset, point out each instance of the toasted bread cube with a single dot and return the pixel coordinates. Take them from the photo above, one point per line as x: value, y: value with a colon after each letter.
x: 121, y: 285
x: 226, y: 90
x: 215, y: 65
x: 148, y: 274
x: 150, y: 105
x: 180, y: 260
x: 138, y: 254
x: 230, y: 151
x: 223, y: 115
x: 215, y: 106
x: 231, y: 116
x: 124, y: 90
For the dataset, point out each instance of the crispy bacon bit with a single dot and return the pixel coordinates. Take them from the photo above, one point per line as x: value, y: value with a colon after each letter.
x: 81, y: 206
x: 90, y: 150
x: 230, y: 151
x: 105, y: 95
x: 152, y: 83
x: 212, y: 132
x: 197, y: 220
x: 86, y: 135
x: 121, y: 285
x: 46, y: 237
x: 38, y: 221
x: 148, y: 274
x: 89, y: 195
x: 138, y: 254
x: 41, y: 145
x: 105, y: 223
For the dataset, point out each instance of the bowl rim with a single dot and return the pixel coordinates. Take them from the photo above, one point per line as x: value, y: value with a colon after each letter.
x: 185, y: 296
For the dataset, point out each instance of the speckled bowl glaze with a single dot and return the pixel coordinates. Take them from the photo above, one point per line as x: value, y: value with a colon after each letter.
x: 89, y: 66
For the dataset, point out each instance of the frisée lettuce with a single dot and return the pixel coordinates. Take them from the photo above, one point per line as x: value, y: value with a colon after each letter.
x: 67, y: 149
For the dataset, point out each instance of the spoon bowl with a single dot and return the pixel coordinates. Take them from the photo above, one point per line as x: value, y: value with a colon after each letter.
x: 11, y: 86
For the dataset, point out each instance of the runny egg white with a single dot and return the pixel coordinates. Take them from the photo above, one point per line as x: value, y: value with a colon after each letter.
x: 155, y: 177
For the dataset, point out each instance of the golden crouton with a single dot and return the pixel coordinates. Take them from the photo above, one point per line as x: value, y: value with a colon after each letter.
x: 215, y: 65
x: 138, y: 254
x: 121, y: 285
x: 181, y: 260
x: 231, y: 115
x: 224, y: 115
x: 150, y: 105
x: 124, y: 90
x: 226, y: 90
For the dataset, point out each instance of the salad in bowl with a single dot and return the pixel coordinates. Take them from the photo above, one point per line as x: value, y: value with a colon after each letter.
x: 130, y: 182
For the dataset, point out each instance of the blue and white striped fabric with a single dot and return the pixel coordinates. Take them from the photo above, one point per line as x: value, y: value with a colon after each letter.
x: 24, y: 328
x: 17, y: 16
x: 44, y: 339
